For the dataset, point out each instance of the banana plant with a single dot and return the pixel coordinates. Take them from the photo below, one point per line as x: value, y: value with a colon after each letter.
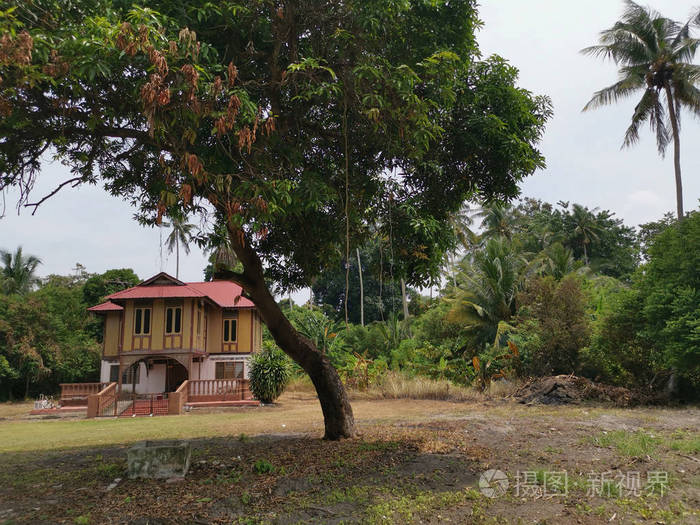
x: 495, y: 362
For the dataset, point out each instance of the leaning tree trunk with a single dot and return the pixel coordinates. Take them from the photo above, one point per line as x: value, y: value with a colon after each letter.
x: 337, y: 412
x: 676, y: 152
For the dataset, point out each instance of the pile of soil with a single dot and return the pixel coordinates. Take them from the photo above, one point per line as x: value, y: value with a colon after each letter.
x: 571, y: 389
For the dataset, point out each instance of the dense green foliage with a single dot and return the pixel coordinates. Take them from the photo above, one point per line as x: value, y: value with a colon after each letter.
x: 508, y: 313
x: 382, y: 292
x: 552, y: 326
x: 524, y: 303
x: 47, y: 337
x: 653, y: 326
x: 270, y: 371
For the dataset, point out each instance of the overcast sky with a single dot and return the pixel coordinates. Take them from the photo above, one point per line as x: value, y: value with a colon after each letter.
x: 584, y: 160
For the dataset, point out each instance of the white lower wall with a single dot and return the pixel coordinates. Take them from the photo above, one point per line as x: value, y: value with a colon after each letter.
x: 150, y: 381
x: 104, y: 370
x: 154, y: 381
x: 209, y: 364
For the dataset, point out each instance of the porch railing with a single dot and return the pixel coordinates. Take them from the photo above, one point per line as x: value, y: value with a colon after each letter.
x: 104, y: 402
x: 203, y: 390
x: 78, y: 393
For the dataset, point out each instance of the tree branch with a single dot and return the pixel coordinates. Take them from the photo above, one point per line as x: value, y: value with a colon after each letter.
x: 229, y: 275
x: 75, y: 181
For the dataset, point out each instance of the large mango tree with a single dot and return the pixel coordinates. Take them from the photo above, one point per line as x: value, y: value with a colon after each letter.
x: 302, y: 126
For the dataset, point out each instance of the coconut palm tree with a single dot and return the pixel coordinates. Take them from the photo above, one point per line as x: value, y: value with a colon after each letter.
x: 181, y: 233
x: 586, y: 228
x: 461, y: 223
x: 654, y: 55
x: 497, y: 220
x: 558, y: 260
x: 488, y: 286
x: 18, y: 272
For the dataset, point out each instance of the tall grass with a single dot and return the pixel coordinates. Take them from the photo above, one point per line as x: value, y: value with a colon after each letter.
x: 397, y: 385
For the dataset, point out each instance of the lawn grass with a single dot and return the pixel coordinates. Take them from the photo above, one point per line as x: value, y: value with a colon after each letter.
x: 293, y: 414
x: 414, y: 461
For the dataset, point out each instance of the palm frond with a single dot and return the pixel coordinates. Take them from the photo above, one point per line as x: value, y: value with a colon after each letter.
x: 686, y: 94
x: 642, y: 112
x: 660, y: 126
x: 684, y: 46
x: 621, y: 44
x: 619, y: 90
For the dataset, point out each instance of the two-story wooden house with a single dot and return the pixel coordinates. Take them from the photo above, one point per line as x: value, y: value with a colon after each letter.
x: 164, y: 331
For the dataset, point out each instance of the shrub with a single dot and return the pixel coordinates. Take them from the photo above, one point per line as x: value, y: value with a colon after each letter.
x: 270, y: 371
x: 263, y: 466
x: 552, y: 318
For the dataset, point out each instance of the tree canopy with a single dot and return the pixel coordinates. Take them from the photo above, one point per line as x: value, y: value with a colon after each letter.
x: 256, y: 109
x: 299, y: 125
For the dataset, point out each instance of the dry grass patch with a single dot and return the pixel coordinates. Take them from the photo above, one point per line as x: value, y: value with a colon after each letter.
x: 15, y: 409
x: 395, y: 385
x: 399, y: 386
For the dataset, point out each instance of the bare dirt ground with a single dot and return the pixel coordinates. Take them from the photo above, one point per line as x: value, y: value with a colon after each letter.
x: 415, y: 462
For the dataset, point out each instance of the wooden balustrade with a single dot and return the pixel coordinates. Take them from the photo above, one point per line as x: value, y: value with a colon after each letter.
x: 203, y: 390
x: 76, y: 394
x: 104, y: 402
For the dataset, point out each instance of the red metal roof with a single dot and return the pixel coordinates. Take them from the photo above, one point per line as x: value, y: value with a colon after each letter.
x: 109, y: 306
x: 225, y: 294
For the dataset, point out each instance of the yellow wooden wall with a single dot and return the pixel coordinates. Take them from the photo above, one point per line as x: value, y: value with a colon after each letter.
x: 249, y: 329
x: 214, y: 329
x: 128, y: 326
x: 112, y: 326
x: 157, y: 324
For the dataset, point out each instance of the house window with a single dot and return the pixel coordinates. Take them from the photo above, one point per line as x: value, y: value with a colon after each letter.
x: 142, y: 321
x: 173, y: 320
x: 229, y: 330
x: 114, y: 373
x: 229, y: 370
x: 199, y: 322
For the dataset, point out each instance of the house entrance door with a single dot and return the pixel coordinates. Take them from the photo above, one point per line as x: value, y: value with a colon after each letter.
x: 175, y: 375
